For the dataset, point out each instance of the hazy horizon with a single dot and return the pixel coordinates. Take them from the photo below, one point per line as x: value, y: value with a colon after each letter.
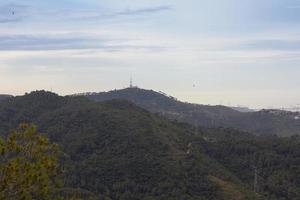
x: 294, y: 108
x: 209, y: 52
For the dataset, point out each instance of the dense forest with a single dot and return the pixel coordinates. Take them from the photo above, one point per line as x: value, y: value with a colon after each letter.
x: 264, y: 122
x: 4, y: 96
x: 117, y: 150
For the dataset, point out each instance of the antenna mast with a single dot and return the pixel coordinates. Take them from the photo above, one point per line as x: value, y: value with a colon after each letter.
x: 131, y: 85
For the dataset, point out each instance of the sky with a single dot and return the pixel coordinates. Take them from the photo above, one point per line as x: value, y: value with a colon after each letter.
x: 229, y: 52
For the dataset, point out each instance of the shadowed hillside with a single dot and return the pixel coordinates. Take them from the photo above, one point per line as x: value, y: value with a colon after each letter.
x: 4, y: 96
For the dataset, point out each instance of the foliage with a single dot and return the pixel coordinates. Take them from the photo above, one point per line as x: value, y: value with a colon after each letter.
x: 28, y: 166
x: 276, y: 160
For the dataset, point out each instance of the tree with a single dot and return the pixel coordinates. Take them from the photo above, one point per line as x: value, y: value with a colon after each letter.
x: 29, y: 166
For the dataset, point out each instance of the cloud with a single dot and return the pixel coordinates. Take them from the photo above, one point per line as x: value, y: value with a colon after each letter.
x: 143, y: 11
x: 92, y: 14
x: 8, y: 20
x: 18, y: 11
x: 274, y: 44
x: 106, y: 15
x: 68, y: 42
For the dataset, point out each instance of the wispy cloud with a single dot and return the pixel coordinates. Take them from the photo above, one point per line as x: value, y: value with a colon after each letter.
x: 94, y: 14
x: 274, y: 44
x: 17, y: 12
x: 68, y: 42
x: 143, y: 11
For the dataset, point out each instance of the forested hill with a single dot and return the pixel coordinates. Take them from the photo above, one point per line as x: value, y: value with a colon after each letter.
x: 264, y: 122
x: 116, y: 150
x: 4, y: 96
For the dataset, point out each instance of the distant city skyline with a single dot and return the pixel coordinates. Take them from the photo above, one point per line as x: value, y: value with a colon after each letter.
x: 210, y: 52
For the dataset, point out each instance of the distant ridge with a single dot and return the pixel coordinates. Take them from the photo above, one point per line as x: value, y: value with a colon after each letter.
x: 4, y: 96
x: 242, y: 109
x: 269, y: 122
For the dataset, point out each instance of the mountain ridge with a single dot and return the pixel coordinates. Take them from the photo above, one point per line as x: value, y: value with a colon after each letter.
x: 4, y: 96
x: 271, y: 122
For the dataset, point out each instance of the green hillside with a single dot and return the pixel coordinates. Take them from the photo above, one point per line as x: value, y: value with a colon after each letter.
x: 116, y: 150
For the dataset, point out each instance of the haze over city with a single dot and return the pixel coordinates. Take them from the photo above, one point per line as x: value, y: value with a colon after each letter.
x: 211, y: 52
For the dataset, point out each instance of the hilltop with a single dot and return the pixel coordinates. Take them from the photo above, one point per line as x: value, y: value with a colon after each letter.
x: 264, y: 122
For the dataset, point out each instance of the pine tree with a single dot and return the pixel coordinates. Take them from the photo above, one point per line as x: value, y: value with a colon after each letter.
x: 29, y: 166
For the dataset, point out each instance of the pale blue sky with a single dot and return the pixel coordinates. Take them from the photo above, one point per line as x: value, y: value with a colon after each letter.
x: 234, y: 52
